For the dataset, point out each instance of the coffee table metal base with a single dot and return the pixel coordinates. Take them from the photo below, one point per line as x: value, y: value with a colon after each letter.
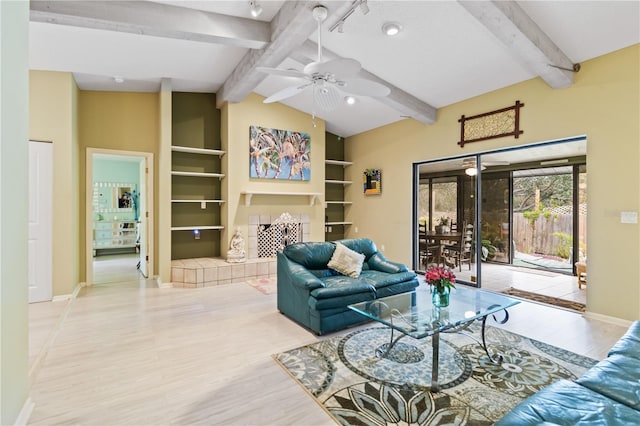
x: 495, y: 358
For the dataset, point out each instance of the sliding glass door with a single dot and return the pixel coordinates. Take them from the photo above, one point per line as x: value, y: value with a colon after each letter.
x: 523, y: 206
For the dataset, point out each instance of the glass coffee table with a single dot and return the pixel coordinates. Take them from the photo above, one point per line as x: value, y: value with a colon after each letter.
x: 413, y: 314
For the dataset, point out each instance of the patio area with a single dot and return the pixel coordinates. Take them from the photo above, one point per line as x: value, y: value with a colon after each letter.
x: 499, y: 277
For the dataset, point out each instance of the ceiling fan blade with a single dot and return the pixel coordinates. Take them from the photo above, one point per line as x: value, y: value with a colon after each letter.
x: 286, y: 93
x: 362, y: 87
x: 281, y: 72
x: 342, y: 67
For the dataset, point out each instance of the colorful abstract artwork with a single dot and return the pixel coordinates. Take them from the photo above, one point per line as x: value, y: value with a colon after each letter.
x: 372, y: 181
x: 279, y: 154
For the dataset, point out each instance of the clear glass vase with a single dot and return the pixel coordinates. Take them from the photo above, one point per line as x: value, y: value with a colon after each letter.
x: 440, y: 297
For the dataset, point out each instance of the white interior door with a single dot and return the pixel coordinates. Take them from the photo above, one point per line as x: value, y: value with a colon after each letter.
x: 143, y: 221
x: 40, y: 221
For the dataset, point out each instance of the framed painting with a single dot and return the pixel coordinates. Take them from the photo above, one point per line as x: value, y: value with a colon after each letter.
x: 279, y: 154
x: 372, y: 181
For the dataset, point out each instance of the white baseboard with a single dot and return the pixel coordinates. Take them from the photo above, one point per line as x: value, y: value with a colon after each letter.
x: 25, y: 413
x: 608, y: 319
x: 161, y: 284
x: 73, y: 295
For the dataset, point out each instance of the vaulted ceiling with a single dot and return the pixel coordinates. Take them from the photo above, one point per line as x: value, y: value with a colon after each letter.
x: 447, y: 51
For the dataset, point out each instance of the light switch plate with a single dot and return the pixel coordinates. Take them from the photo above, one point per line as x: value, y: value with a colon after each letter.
x: 628, y: 217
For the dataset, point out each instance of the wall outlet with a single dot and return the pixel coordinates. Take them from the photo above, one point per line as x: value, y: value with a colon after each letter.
x: 355, y: 229
x: 203, y: 205
x: 628, y: 217
x: 382, y: 247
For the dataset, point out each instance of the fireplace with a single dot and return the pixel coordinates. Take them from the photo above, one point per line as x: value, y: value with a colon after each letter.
x: 268, y: 235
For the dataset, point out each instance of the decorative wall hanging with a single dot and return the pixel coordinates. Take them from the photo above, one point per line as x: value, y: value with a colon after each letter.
x: 372, y: 181
x: 491, y: 125
x: 279, y: 154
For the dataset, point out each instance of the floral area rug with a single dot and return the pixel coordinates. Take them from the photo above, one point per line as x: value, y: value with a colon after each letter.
x: 355, y: 387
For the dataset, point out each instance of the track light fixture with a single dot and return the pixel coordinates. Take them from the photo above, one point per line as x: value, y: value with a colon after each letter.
x: 364, y: 8
x: 256, y: 9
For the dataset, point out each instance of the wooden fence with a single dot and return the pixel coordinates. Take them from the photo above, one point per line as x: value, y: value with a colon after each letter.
x: 539, y: 238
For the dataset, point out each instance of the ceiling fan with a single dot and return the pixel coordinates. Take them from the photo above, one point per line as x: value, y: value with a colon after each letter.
x: 327, y: 79
x: 470, y: 168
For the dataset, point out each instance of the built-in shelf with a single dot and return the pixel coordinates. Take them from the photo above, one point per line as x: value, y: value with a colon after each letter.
x: 248, y: 195
x: 198, y: 201
x: 338, y: 163
x: 197, y: 150
x: 191, y: 228
x: 197, y: 174
x: 341, y: 203
x: 338, y: 182
x: 338, y: 223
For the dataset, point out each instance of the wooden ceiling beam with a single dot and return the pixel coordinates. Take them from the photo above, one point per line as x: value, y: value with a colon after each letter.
x: 524, y: 39
x: 154, y: 19
x: 290, y: 28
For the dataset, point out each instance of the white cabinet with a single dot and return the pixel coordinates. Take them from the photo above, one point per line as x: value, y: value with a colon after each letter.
x: 115, y: 234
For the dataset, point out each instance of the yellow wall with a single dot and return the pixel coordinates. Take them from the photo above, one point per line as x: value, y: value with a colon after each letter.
x: 236, y: 120
x: 604, y: 104
x: 53, y: 99
x: 118, y: 121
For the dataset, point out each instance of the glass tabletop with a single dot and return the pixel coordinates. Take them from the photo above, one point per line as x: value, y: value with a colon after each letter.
x: 414, y: 314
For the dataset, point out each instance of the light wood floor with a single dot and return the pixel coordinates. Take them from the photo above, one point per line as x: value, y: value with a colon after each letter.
x: 129, y: 353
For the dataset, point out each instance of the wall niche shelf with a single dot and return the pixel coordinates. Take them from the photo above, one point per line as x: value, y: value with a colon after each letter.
x: 248, y: 195
x: 338, y: 163
x: 192, y: 228
x: 344, y: 203
x: 190, y: 150
x: 197, y: 174
x: 338, y: 223
x: 198, y: 201
x: 338, y: 182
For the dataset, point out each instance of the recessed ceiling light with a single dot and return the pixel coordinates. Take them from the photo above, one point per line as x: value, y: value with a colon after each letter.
x: 118, y: 79
x: 391, y: 28
x: 350, y: 100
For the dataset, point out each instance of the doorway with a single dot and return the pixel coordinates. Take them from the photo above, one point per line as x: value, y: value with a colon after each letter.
x: 119, y: 189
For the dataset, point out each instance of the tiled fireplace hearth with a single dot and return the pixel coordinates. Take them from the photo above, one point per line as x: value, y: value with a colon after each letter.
x: 266, y: 236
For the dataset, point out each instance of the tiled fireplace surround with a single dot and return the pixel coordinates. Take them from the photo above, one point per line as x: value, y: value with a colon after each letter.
x: 205, y: 272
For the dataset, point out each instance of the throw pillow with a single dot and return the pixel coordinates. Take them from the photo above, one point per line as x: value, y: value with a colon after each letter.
x: 346, y: 261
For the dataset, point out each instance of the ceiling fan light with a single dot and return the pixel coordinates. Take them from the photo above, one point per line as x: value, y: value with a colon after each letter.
x: 326, y: 97
x: 391, y: 28
x: 256, y: 9
x: 350, y: 100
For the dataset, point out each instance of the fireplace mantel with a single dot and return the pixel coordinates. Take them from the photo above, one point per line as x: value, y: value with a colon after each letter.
x: 248, y: 195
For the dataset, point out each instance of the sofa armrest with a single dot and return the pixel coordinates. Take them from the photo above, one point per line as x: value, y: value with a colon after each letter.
x: 380, y: 263
x: 299, y: 275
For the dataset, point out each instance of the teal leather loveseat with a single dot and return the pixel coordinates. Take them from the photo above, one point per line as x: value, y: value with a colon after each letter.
x: 607, y: 394
x: 316, y: 296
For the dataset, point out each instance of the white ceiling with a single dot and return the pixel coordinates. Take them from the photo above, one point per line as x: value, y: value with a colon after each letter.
x: 443, y: 54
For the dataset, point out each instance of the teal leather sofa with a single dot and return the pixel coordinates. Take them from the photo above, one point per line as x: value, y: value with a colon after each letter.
x: 312, y: 294
x: 607, y: 394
